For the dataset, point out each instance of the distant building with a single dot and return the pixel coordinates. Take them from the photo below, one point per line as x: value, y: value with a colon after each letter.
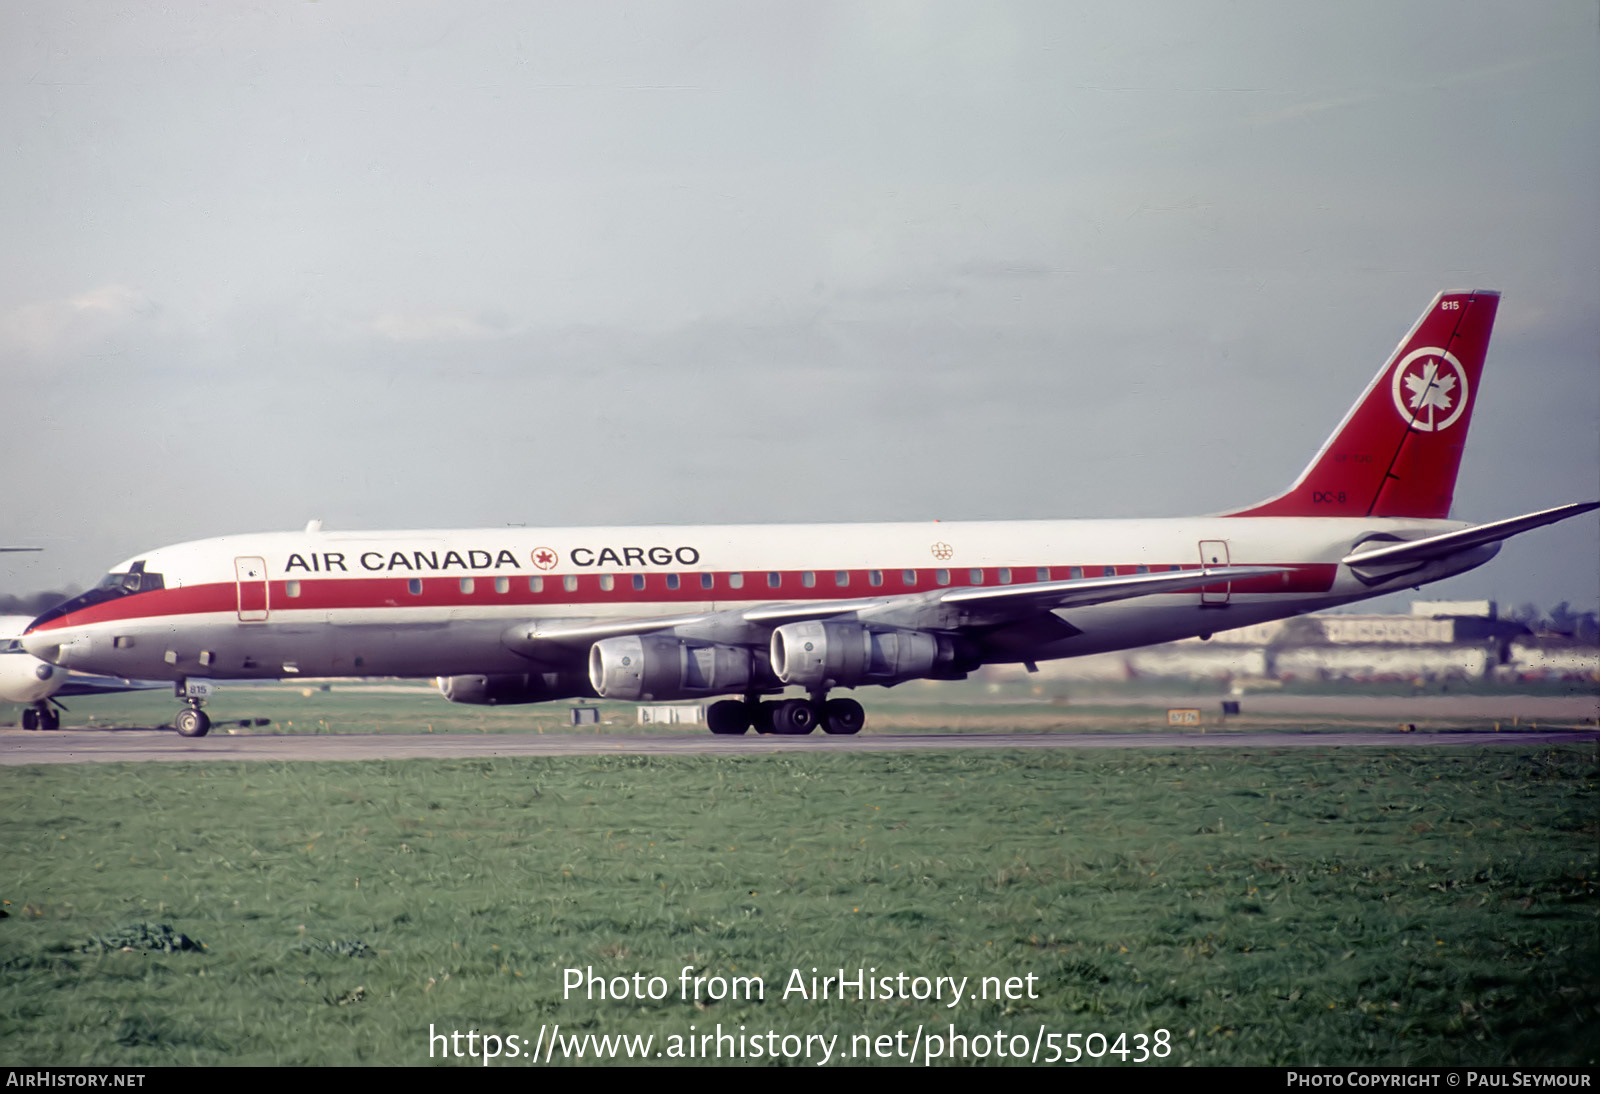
x: 1439, y: 639
x: 1434, y: 609
x: 1393, y: 630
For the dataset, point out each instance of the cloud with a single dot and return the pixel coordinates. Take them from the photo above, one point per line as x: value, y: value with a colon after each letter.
x: 441, y: 326
x: 52, y: 328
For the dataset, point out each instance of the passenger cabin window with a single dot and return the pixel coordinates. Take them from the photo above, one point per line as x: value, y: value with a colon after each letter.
x: 672, y: 581
x: 908, y: 577
x: 809, y: 579
x: 1110, y: 571
x: 974, y: 577
x: 502, y: 585
x: 1142, y: 570
x: 570, y: 583
x: 291, y: 588
x: 1042, y: 574
x: 874, y: 577
x: 607, y: 583
x: 942, y: 577
x: 1005, y: 575
x: 707, y: 581
x: 638, y: 583
x: 774, y: 579
x: 415, y: 586
x: 536, y: 584
x: 1075, y: 573
x: 841, y: 578
x: 736, y: 580
x: 468, y: 584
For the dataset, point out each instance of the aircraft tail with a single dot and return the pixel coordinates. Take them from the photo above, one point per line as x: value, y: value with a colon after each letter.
x: 1397, y: 451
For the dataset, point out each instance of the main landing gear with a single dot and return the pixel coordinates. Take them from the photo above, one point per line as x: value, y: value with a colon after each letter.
x: 41, y: 716
x: 787, y: 717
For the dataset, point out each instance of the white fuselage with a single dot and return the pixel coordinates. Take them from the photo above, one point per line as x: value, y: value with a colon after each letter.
x: 23, y: 677
x: 439, y: 603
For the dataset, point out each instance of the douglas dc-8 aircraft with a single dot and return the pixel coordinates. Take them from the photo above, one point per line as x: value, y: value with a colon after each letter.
x: 663, y: 613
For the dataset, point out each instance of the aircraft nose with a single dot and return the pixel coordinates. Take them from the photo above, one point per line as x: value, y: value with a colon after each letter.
x: 46, y: 646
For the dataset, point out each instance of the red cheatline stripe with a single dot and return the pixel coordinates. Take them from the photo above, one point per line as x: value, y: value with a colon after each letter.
x: 346, y: 593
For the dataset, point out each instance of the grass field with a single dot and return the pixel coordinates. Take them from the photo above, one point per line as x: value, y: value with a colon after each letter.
x: 924, y: 707
x: 1321, y: 906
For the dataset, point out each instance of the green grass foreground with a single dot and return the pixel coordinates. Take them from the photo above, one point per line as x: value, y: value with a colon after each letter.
x: 1308, y: 907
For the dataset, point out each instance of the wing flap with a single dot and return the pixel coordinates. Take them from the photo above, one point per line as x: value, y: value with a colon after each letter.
x: 576, y: 632
x: 1082, y: 592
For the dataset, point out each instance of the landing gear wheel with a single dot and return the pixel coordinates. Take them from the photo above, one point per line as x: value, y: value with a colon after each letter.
x: 794, y: 717
x: 761, y: 716
x: 30, y: 718
x: 729, y: 718
x: 49, y: 720
x: 843, y: 716
x: 192, y: 723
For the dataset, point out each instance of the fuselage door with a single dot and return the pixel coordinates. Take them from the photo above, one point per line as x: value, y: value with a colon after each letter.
x: 251, y: 577
x: 1214, y: 552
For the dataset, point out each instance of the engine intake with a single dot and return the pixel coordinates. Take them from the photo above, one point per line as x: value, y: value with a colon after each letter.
x: 659, y: 666
x: 507, y: 688
x: 819, y: 655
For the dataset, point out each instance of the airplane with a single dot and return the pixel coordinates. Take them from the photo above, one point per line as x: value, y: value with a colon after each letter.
x: 40, y: 685
x: 515, y: 615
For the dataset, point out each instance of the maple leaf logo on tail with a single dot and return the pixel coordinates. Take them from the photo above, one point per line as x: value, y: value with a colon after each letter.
x: 1438, y: 389
x: 1429, y: 388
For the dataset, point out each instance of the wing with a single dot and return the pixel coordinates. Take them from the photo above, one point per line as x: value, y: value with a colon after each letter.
x: 83, y: 683
x: 562, y: 642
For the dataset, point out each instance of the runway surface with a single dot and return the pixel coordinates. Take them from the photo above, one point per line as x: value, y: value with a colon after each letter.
x: 138, y: 746
x: 1408, y: 707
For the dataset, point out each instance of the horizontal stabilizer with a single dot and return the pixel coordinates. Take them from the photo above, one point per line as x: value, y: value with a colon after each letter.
x: 1441, y: 546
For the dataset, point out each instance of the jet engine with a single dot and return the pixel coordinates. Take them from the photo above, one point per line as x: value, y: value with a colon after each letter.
x: 508, y: 688
x: 819, y: 655
x: 659, y: 666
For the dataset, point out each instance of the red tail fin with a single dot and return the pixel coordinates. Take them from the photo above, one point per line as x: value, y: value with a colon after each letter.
x: 1397, y: 452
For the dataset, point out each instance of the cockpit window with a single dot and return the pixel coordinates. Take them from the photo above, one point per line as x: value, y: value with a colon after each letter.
x: 111, y: 587
x: 135, y: 581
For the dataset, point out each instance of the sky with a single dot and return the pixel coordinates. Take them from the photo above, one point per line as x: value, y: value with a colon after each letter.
x: 417, y: 265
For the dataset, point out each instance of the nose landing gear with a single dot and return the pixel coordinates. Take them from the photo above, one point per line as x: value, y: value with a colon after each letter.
x: 192, y: 722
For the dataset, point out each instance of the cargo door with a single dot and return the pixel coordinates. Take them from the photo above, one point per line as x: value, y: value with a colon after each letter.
x: 1214, y: 553
x: 250, y: 574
